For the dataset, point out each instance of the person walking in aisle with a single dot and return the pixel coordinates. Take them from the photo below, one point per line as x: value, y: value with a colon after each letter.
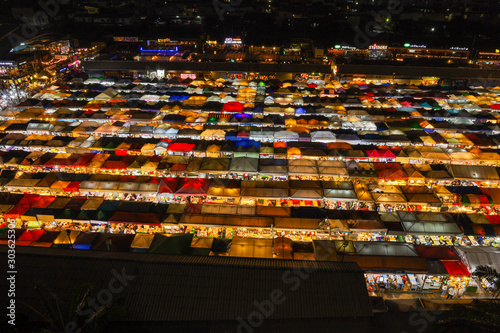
x: 445, y: 290
x: 451, y: 293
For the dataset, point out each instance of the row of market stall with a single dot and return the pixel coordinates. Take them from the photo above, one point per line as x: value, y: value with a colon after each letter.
x: 388, y: 266
x: 198, y: 92
x: 89, y: 135
x: 234, y: 114
x: 359, y: 194
x: 264, y: 165
x: 208, y: 110
x: 267, y: 127
x: 228, y: 221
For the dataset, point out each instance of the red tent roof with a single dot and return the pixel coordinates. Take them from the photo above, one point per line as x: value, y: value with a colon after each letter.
x: 28, y: 200
x: 74, y: 186
x: 243, y: 134
x: 455, y: 267
x: 54, y: 162
x: 28, y: 237
x: 83, y: 160
x: 127, y: 178
x: 374, y: 153
x: 181, y: 147
x: 178, y: 167
x: 44, y: 201
x: 193, y: 187
x: 389, y: 154
x: 121, y: 164
x: 478, y: 230
x: 155, y: 158
x: 436, y: 252
x: 168, y: 185
x: 115, y: 165
x: 193, y: 209
x: 494, y: 219
x: 16, y: 212
x: 233, y: 107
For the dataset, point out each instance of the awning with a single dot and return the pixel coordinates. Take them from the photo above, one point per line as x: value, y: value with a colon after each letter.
x: 455, y: 268
x: 436, y: 252
x: 480, y: 256
x: 427, y: 228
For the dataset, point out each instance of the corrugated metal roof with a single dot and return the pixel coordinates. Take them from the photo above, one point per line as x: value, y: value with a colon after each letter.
x: 184, y: 288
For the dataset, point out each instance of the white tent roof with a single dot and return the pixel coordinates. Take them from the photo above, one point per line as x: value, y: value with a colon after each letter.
x: 477, y: 256
x: 384, y: 249
x: 427, y: 228
x: 322, y: 136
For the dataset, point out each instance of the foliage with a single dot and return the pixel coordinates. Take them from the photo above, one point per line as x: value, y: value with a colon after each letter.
x: 491, y: 275
x: 76, y: 313
x: 478, y: 316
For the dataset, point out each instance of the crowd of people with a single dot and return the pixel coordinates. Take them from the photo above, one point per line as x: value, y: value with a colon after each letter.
x: 452, y: 291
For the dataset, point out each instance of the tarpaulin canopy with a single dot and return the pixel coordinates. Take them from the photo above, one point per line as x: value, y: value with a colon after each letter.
x: 233, y: 107
x: 251, y: 248
x: 112, y: 242
x: 455, y: 268
x: 385, y: 249
x: 171, y: 244
x: 136, y: 218
x: 436, y: 252
x: 168, y: 185
x: 296, y: 223
x: 65, y: 240
x: 181, y: 147
x: 193, y: 187
x: 427, y: 228
x: 48, y: 238
x: 29, y: 237
x: 481, y: 256
x: 16, y: 212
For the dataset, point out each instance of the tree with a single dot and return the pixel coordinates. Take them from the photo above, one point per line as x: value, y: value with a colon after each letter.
x: 73, y: 313
x: 491, y: 275
x: 477, y: 316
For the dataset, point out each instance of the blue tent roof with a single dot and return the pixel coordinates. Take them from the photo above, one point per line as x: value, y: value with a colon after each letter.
x: 247, y: 143
x: 231, y: 135
x: 381, y: 126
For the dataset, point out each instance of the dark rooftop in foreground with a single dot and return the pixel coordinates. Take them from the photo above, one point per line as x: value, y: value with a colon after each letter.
x: 172, y: 288
x: 419, y: 71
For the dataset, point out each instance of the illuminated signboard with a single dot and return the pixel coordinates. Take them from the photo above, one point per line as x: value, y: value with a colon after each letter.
x: 188, y: 76
x: 126, y: 39
x: 233, y: 41
x: 160, y: 73
x: 377, y: 47
x: 457, y: 48
x: 344, y: 47
x: 415, y: 46
x: 8, y: 63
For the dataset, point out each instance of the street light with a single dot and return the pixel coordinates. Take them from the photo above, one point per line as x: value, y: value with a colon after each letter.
x: 344, y: 245
x: 108, y: 243
x: 68, y: 232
